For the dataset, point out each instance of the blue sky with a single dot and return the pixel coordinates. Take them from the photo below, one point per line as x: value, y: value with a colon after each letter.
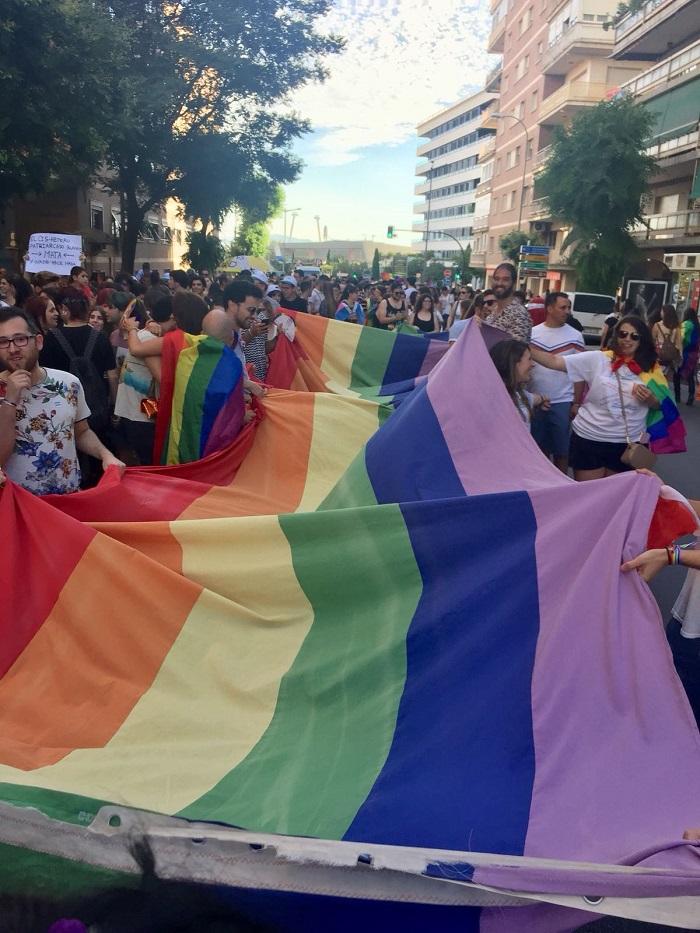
x: 404, y: 60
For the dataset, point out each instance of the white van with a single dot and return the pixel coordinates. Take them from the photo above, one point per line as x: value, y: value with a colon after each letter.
x: 591, y: 310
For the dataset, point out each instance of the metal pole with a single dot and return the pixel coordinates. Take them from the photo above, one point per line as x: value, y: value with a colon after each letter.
x: 511, y: 116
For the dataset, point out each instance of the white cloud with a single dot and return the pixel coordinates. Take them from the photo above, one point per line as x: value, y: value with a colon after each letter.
x: 404, y: 60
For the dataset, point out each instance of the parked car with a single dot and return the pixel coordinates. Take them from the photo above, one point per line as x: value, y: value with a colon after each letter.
x: 591, y: 310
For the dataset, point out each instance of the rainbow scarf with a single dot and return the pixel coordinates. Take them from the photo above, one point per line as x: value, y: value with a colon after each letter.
x: 201, y: 406
x: 664, y: 424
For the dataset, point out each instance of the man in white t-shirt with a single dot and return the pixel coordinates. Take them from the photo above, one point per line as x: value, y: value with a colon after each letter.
x: 43, y: 415
x: 551, y: 428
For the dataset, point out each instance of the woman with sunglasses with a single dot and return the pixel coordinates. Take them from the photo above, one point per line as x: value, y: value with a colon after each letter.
x: 392, y: 310
x: 617, y: 392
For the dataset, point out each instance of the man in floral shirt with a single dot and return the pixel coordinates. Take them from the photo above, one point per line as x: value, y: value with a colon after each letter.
x: 43, y: 415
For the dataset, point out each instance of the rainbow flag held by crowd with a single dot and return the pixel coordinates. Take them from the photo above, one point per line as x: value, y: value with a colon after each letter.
x: 409, y: 633
x: 362, y: 362
x: 201, y: 408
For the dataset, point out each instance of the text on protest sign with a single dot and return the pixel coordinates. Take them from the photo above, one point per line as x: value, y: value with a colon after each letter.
x: 53, y: 252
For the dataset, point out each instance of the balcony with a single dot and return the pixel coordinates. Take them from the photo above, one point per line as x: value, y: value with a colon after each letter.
x: 493, y: 78
x: 541, y: 158
x: 538, y: 209
x: 487, y: 150
x: 668, y: 226
x: 560, y: 106
x: 480, y: 223
x: 484, y: 187
x: 660, y: 25
x: 578, y: 40
x: 497, y: 36
x: 677, y: 146
x: 674, y: 69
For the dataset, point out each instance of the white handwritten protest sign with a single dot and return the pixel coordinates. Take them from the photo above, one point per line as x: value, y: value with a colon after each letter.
x: 53, y: 252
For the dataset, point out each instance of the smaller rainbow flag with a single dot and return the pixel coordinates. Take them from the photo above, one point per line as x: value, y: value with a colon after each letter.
x: 201, y: 405
x: 664, y: 424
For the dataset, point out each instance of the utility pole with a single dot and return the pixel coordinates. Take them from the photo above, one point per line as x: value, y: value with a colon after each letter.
x: 511, y: 116
x: 318, y: 226
x: 293, y: 211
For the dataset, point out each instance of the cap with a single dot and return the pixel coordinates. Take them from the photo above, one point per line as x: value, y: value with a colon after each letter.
x: 259, y: 276
x: 272, y: 289
x: 288, y: 280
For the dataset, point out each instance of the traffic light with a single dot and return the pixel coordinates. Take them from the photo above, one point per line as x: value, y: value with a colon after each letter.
x: 390, y: 233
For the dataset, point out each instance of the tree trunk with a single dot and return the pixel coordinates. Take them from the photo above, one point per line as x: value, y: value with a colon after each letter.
x: 132, y: 219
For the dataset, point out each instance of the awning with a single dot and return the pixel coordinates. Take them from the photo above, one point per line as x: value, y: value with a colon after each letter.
x: 676, y: 112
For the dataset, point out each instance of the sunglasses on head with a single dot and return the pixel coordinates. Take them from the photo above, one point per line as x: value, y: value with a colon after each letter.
x: 628, y: 335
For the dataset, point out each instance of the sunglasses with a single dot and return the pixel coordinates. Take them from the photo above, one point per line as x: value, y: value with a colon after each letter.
x: 628, y: 335
x: 490, y: 301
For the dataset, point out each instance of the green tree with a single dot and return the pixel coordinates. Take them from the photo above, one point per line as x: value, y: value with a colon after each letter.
x: 204, y: 251
x: 197, y: 116
x: 375, y: 265
x: 511, y: 242
x: 600, y: 198
x: 253, y: 235
x: 57, y: 94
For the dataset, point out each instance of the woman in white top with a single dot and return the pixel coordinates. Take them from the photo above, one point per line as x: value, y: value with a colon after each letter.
x: 599, y: 434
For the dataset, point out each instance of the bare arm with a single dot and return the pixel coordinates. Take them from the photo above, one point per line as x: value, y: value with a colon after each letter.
x: 142, y: 349
x: 548, y: 360
x: 15, y: 384
x: 89, y: 443
x: 113, y: 382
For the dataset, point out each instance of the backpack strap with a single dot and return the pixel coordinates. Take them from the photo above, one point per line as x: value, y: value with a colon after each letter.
x: 92, y: 340
x: 63, y: 344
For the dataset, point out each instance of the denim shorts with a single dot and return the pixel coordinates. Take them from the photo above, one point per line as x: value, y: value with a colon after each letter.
x: 551, y: 429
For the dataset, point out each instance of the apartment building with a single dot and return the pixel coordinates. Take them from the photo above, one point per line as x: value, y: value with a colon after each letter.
x: 449, y: 172
x: 666, y: 33
x: 94, y: 213
x: 555, y: 61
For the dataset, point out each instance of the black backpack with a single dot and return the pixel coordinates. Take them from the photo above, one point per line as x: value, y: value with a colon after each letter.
x: 91, y: 380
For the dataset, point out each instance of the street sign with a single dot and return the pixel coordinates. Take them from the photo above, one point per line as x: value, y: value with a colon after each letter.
x: 533, y: 265
x: 534, y: 273
x: 534, y: 250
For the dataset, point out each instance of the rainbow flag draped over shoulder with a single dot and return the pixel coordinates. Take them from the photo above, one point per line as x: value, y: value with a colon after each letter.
x: 664, y: 424
x: 411, y: 634
x: 201, y: 408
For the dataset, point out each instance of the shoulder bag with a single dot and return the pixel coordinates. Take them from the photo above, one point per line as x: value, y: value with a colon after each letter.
x: 635, y: 455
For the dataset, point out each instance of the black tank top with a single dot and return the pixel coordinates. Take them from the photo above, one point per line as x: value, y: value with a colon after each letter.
x: 390, y: 309
x: 428, y: 327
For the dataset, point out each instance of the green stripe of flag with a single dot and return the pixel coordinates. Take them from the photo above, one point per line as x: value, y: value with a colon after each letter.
x: 371, y: 359
x: 336, y: 712
x: 208, y: 356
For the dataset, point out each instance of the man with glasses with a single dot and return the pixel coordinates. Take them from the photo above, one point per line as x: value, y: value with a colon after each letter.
x: 392, y: 310
x: 43, y: 415
x: 509, y: 314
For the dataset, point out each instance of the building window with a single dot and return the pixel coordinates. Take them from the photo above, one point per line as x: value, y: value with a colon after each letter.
x: 511, y: 201
x: 533, y: 101
x: 539, y: 50
x: 97, y: 217
x: 516, y: 157
x: 528, y: 151
x: 521, y: 110
x: 116, y: 224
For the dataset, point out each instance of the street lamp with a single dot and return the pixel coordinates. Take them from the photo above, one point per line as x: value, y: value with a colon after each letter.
x: 505, y: 116
x: 293, y: 211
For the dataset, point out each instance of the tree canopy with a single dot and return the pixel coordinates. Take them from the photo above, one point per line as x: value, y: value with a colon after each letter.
x: 599, y: 197
x: 177, y: 99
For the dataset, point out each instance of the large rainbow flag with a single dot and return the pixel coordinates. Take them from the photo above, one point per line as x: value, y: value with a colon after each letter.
x: 408, y: 638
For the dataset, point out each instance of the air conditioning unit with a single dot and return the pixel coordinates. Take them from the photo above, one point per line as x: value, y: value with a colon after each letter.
x: 542, y: 225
